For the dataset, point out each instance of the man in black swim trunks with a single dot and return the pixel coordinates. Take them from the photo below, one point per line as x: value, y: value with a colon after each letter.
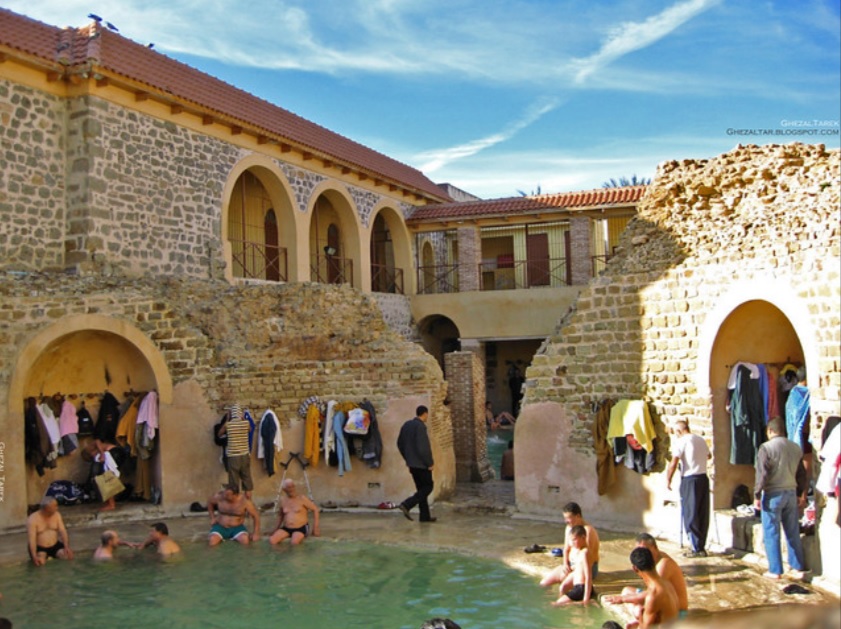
x: 46, y: 535
x: 293, y: 522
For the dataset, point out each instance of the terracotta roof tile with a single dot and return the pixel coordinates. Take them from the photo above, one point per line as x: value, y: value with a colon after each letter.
x: 600, y: 197
x: 114, y: 53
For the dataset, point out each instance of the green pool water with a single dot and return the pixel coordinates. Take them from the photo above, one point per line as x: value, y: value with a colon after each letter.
x: 497, y: 444
x: 322, y: 584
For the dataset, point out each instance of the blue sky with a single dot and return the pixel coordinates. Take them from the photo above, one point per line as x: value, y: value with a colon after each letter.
x: 499, y: 96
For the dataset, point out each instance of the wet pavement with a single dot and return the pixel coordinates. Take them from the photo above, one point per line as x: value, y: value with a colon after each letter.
x: 481, y: 520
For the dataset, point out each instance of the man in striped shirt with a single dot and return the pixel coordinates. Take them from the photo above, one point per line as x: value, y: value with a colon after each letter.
x: 237, y: 450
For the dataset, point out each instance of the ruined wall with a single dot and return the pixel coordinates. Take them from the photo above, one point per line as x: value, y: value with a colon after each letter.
x: 758, y: 223
x: 262, y: 346
x: 32, y: 179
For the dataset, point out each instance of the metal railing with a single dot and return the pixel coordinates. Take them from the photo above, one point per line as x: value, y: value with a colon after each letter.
x: 255, y: 260
x: 600, y: 263
x: 331, y: 270
x: 436, y: 279
x: 523, y: 274
x: 386, y: 279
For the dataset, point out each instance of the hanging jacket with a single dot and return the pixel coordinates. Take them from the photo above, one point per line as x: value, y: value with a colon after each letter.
x: 269, y: 440
x: 311, y: 430
x: 147, y: 414
x: 605, y: 466
x: 372, y: 443
x: 746, y: 424
x: 85, y: 421
x: 797, y: 415
x: 108, y: 419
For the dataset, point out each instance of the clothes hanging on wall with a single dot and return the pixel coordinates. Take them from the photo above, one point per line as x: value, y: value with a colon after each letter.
x: 747, y: 414
x: 797, y: 415
x: 269, y: 441
x: 108, y: 419
x: 311, y: 434
x: 605, y: 466
x: 372, y: 443
x: 631, y: 435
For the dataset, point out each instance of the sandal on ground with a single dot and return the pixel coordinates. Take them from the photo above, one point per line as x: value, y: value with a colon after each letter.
x: 534, y: 548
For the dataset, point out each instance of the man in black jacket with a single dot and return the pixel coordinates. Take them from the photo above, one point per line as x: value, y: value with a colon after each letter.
x: 413, y: 444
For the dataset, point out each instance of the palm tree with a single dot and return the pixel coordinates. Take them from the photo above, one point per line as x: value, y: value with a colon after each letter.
x: 624, y: 181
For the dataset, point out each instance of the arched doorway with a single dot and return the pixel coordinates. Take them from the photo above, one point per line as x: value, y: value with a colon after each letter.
x: 253, y: 232
x: 759, y: 333
x: 383, y: 272
x: 86, y: 368
x: 328, y: 263
x: 439, y: 336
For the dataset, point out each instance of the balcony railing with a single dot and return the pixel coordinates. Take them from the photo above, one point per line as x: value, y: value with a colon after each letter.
x: 522, y: 274
x: 254, y: 260
x: 436, y: 279
x: 600, y: 263
x: 386, y: 279
x: 331, y: 270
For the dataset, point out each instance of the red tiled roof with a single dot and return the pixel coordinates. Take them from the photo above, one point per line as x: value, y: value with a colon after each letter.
x: 584, y: 199
x: 114, y: 53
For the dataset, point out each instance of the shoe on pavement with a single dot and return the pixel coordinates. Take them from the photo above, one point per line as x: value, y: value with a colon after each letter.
x: 405, y: 512
x: 430, y: 520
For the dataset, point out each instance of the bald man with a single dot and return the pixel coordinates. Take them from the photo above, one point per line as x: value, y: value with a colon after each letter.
x: 293, y: 522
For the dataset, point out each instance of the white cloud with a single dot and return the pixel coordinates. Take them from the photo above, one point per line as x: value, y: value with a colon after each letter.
x: 434, y: 160
x: 501, y: 174
x: 631, y: 36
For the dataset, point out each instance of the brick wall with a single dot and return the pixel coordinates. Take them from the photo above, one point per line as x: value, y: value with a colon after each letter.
x: 469, y: 258
x: 466, y: 382
x: 581, y: 250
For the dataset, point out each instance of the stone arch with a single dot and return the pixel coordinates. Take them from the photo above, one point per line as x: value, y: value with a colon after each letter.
x: 336, y: 208
x: 439, y: 335
x: 60, y: 358
x: 281, y: 193
x: 761, y: 321
x: 400, y: 242
x: 85, y: 323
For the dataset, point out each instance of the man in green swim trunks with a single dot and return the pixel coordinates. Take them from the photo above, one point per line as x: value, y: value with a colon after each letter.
x: 228, y: 510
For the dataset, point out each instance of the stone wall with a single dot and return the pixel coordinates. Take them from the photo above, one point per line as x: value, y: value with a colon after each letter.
x: 32, y: 179
x: 267, y: 346
x: 91, y: 183
x: 755, y: 229
x: 397, y: 312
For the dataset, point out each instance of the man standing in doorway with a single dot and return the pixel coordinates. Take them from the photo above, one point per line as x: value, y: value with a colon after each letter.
x: 781, y: 482
x: 691, y: 453
x: 413, y: 444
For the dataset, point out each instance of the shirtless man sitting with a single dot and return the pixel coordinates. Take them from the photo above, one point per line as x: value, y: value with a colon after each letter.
x: 577, y: 586
x: 660, y: 603
x: 573, y: 517
x: 667, y: 568
x: 46, y: 535
x: 293, y: 522
x: 229, y: 522
x: 159, y: 538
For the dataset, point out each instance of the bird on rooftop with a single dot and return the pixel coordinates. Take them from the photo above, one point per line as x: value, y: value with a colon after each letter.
x: 150, y: 45
x: 94, y: 17
x: 112, y: 27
